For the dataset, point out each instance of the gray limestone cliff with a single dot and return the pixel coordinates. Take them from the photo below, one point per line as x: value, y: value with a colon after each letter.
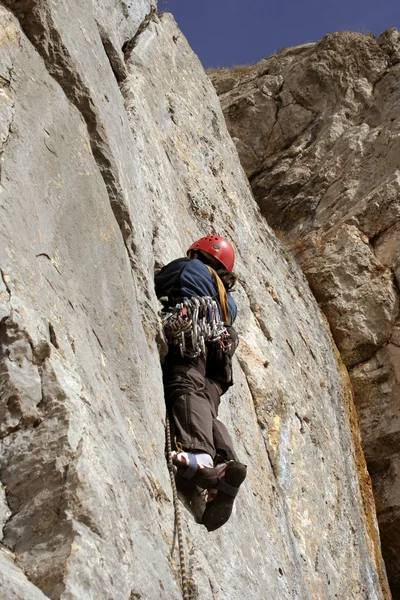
x: 317, y: 128
x: 114, y: 157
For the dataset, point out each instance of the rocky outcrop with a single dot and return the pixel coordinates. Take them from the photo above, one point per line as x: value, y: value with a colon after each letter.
x: 317, y: 128
x: 115, y: 156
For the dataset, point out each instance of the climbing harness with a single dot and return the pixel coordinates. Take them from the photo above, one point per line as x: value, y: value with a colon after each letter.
x: 178, y: 524
x: 192, y: 323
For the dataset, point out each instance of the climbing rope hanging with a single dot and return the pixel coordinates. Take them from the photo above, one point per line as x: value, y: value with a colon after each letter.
x: 178, y: 523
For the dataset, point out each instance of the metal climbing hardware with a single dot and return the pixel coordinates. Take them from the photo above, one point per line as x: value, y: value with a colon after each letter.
x: 194, y: 322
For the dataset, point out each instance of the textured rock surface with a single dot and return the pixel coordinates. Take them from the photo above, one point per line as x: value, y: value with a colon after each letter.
x: 317, y: 128
x: 13, y: 582
x: 103, y: 177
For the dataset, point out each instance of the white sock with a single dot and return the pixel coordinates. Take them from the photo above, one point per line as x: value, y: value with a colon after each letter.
x: 203, y: 459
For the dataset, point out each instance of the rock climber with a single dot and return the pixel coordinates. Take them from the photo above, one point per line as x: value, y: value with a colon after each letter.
x: 204, y: 456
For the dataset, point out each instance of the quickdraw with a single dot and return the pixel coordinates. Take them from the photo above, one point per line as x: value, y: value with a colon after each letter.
x: 194, y: 322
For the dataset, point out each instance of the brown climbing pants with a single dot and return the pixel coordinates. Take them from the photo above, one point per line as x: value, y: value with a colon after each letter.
x: 192, y: 402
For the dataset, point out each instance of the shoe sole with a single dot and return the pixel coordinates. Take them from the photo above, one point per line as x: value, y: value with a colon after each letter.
x: 219, y: 510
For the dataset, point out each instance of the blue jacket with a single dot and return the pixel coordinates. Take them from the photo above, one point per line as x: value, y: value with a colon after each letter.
x: 187, y: 277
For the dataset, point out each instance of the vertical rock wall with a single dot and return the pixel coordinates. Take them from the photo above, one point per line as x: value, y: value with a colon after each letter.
x: 115, y: 156
x: 317, y: 128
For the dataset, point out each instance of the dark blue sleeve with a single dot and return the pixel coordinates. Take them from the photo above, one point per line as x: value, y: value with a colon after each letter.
x: 196, y: 280
x: 167, y: 281
x: 232, y: 307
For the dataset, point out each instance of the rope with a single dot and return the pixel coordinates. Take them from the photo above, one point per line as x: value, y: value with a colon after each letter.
x: 178, y: 524
x: 223, y: 296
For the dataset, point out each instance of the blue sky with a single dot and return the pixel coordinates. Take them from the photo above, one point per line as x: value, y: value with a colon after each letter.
x: 232, y: 32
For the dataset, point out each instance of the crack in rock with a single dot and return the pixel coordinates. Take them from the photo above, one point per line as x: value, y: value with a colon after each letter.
x: 116, y: 62
x: 4, y: 279
x: 5, y: 137
x: 43, y: 34
x: 36, y: 480
x: 20, y: 391
x: 129, y: 45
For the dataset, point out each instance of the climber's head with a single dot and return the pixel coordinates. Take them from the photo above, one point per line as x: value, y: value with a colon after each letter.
x: 219, y: 251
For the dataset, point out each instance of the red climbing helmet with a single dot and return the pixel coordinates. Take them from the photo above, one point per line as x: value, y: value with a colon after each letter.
x: 218, y: 247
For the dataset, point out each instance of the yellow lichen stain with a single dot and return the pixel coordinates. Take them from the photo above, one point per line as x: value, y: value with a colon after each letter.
x: 56, y: 260
x: 131, y: 431
x: 9, y: 32
x: 4, y: 97
x: 365, y: 484
x: 274, y: 432
x: 249, y: 355
x: 61, y: 352
x: 104, y: 236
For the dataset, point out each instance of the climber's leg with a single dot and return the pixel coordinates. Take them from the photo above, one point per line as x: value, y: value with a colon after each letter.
x: 223, y: 443
x: 189, y: 404
x: 191, y: 418
x: 221, y: 439
x: 230, y: 472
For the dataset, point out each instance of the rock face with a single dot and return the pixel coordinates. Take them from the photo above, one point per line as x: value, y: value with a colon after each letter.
x: 115, y: 156
x: 317, y: 128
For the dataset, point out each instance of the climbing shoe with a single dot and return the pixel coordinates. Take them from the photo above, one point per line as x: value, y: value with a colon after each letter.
x: 189, y: 475
x: 219, y: 509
